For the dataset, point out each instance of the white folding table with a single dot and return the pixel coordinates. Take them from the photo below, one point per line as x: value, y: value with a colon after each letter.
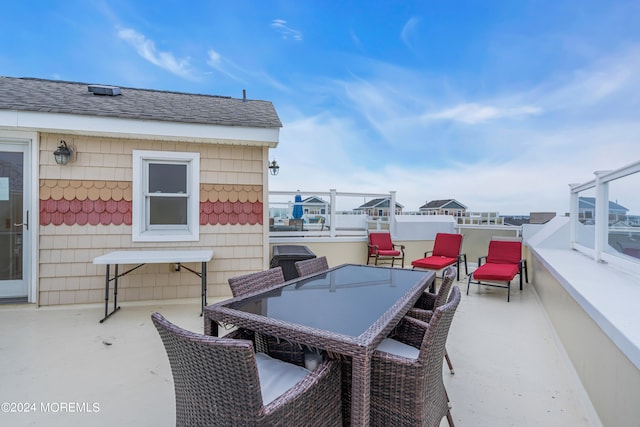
x: 142, y: 257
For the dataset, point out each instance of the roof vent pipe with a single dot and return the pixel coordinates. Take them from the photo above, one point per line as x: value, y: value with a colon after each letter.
x: 244, y: 95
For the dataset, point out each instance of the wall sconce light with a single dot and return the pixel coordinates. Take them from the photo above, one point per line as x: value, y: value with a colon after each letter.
x: 274, y: 168
x: 63, y: 153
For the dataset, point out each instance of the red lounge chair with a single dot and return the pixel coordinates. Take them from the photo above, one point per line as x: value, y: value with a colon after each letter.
x: 380, y: 246
x: 446, y: 252
x: 503, y: 261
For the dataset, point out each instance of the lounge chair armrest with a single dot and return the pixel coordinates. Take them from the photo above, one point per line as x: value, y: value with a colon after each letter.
x: 480, y: 260
x: 426, y: 254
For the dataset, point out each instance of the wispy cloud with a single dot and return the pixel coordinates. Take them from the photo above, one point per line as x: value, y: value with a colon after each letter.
x: 287, y: 32
x: 409, y: 30
x: 472, y: 113
x: 222, y: 65
x: 240, y: 74
x: 147, y: 49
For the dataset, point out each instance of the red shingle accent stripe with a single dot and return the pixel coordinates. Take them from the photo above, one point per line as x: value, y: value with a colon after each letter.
x: 111, y: 212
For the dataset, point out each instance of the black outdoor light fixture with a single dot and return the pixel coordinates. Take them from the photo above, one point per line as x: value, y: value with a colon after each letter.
x: 274, y: 168
x: 63, y: 153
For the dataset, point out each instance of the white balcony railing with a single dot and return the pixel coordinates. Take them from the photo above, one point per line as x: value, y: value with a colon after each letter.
x: 327, y: 214
x: 605, y: 217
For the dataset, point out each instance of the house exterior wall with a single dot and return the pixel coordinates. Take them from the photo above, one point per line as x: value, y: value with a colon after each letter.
x: 85, y: 212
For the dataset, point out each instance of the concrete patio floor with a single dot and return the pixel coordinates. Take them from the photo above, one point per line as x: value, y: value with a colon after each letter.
x: 61, y: 367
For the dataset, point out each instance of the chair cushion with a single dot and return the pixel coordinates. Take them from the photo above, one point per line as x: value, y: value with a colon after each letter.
x: 434, y: 262
x: 382, y: 240
x: 388, y: 253
x: 504, y: 252
x: 276, y: 376
x: 389, y: 345
x: 499, y: 272
x: 447, y: 245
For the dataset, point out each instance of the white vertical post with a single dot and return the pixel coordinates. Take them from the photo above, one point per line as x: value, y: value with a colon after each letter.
x: 602, y: 216
x: 573, y: 215
x: 332, y: 213
x: 392, y: 213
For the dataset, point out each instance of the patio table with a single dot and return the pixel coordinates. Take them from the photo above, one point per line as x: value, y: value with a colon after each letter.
x: 346, y: 310
x: 151, y: 257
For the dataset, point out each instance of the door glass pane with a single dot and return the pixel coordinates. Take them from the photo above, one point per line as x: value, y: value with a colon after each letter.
x: 167, y: 178
x: 168, y: 211
x: 11, y: 189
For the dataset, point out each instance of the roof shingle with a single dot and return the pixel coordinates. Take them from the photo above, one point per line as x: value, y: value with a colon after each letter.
x: 54, y: 96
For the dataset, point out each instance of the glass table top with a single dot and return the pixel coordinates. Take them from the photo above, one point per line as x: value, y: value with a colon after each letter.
x: 345, y: 300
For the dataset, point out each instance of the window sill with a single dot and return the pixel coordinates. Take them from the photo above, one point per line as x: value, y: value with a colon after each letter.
x: 164, y: 237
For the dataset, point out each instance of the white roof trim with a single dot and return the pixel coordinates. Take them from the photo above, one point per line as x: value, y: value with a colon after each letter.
x: 136, y: 129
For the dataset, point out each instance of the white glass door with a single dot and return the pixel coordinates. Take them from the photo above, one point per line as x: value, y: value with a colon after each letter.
x: 15, y: 220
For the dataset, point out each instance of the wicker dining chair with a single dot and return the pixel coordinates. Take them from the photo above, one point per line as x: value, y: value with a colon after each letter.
x: 256, y: 282
x: 406, y: 371
x: 224, y: 382
x: 311, y: 266
x: 423, y: 308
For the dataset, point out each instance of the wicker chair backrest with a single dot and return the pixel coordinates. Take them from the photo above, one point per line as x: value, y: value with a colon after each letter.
x: 433, y: 344
x: 311, y: 266
x: 447, y: 280
x: 215, y: 378
x: 253, y: 282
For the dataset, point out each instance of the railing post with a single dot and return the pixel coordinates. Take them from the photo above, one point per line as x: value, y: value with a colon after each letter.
x: 392, y: 213
x: 573, y: 215
x: 332, y: 212
x: 602, y: 215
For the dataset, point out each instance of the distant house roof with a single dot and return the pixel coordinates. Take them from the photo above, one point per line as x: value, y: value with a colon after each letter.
x: 38, y: 99
x: 443, y: 204
x: 379, y: 203
x: 315, y: 200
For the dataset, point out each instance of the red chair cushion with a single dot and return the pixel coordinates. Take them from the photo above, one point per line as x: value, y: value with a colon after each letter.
x: 388, y: 253
x: 498, y: 272
x: 504, y: 252
x: 434, y: 262
x: 382, y: 240
x: 447, y: 245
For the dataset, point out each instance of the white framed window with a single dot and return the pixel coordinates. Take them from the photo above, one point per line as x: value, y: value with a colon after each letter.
x: 166, y: 196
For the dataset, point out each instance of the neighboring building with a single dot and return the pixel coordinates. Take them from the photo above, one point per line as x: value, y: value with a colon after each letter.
x: 443, y: 207
x: 315, y: 206
x: 150, y: 169
x: 587, y: 209
x: 378, y: 208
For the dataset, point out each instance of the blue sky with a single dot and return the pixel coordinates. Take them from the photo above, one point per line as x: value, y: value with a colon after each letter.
x: 497, y: 104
